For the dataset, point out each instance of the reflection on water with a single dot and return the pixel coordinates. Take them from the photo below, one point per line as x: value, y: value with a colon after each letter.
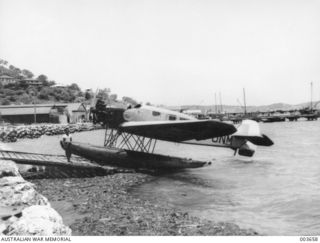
x: 277, y: 192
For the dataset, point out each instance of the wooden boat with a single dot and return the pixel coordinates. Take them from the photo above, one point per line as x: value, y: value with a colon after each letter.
x: 130, y: 159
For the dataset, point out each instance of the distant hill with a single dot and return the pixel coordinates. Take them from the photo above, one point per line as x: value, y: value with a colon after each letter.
x: 238, y: 109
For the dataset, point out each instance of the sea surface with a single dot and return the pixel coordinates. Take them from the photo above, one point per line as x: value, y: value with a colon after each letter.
x: 276, y: 192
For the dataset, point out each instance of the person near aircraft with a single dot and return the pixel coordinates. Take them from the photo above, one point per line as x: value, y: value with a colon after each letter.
x: 67, y: 140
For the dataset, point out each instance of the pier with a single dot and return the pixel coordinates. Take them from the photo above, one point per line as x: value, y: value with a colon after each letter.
x: 269, y: 116
x: 56, y: 166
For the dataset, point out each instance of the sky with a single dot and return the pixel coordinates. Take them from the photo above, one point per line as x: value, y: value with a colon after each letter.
x: 170, y: 52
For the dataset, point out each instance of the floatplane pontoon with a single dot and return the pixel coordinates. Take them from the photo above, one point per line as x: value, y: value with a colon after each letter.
x: 132, y: 134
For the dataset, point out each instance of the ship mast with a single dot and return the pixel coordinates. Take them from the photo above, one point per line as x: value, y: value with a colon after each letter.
x: 215, y: 104
x: 244, y: 101
x: 311, y: 93
x: 220, y: 102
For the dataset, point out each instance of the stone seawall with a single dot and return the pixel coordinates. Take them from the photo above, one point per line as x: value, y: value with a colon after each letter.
x: 23, y: 211
x: 13, y: 133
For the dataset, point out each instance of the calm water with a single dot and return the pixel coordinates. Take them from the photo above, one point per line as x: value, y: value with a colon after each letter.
x: 277, y: 192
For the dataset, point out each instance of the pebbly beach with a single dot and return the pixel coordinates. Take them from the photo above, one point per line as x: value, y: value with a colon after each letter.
x: 104, y: 206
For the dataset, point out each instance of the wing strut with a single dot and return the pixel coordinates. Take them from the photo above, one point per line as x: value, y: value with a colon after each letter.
x: 122, y: 140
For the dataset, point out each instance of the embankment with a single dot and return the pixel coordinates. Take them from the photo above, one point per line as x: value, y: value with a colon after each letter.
x: 9, y: 134
x: 23, y: 211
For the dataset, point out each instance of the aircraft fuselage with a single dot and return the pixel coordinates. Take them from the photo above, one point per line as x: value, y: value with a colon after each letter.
x: 151, y: 113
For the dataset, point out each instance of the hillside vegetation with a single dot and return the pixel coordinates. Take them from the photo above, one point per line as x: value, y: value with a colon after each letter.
x: 21, y: 92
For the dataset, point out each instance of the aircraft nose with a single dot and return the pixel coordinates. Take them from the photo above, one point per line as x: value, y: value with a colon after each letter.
x: 128, y: 115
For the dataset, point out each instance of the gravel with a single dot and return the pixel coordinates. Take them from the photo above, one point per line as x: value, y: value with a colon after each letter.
x: 104, y: 206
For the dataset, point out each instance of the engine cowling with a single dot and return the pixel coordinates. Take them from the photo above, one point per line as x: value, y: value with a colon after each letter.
x: 110, y: 116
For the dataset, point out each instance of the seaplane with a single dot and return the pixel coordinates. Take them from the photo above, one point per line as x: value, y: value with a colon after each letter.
x: 132, y: 134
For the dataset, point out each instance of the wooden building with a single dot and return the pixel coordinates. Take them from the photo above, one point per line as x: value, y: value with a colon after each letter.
x: 5, y: 79
x: 32, y: 82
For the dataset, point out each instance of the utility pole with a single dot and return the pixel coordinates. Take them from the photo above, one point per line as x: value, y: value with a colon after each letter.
x: 34, y: 109
x: 244, y: 101
x: 35, y: 112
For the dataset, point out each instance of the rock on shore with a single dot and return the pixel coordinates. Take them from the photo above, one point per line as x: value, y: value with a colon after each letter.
x: 12, y: 134
x: 23, y: 211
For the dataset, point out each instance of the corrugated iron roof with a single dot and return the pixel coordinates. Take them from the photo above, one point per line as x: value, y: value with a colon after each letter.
x: 75, y: 106
x: 32, y: 105
x: 11, y: 111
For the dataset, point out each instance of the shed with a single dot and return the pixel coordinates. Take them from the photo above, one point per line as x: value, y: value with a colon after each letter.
x: 39, y: 113
x: 77, y: 112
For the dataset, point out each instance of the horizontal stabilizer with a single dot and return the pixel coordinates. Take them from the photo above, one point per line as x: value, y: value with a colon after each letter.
x: 262, y: 140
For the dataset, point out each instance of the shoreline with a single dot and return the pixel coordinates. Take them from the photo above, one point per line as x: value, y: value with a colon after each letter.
x: 13, y: 133
x: 104, y: 206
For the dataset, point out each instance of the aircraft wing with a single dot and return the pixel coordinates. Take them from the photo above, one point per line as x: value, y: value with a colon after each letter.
x: 178, y: 131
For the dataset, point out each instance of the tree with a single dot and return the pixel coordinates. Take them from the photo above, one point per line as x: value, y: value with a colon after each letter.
x: 18, y: 70
x: 11, y: 67
x: 20, y: 77
x: 42, y: 78
x: 5, y: 102
x: 113, y: 97
x: 103, y: 94
x: 51, y: 83
x: 23, y: 84
x: 129, y: 100
x: 27, y: 73
x: 45, y: 83
x: 74, y: 86
x: 44, y: 94
x: 12, y: 98
x: 25, y: 99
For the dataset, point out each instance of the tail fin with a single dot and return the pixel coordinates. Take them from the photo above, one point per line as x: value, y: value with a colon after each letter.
x: 247, y: 136
x: 250, y: 131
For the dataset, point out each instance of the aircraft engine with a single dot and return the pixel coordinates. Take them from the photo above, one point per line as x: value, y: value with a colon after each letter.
x: 110, y: 116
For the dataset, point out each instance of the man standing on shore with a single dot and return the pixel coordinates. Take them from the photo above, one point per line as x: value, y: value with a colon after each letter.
x: 66, y: 140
